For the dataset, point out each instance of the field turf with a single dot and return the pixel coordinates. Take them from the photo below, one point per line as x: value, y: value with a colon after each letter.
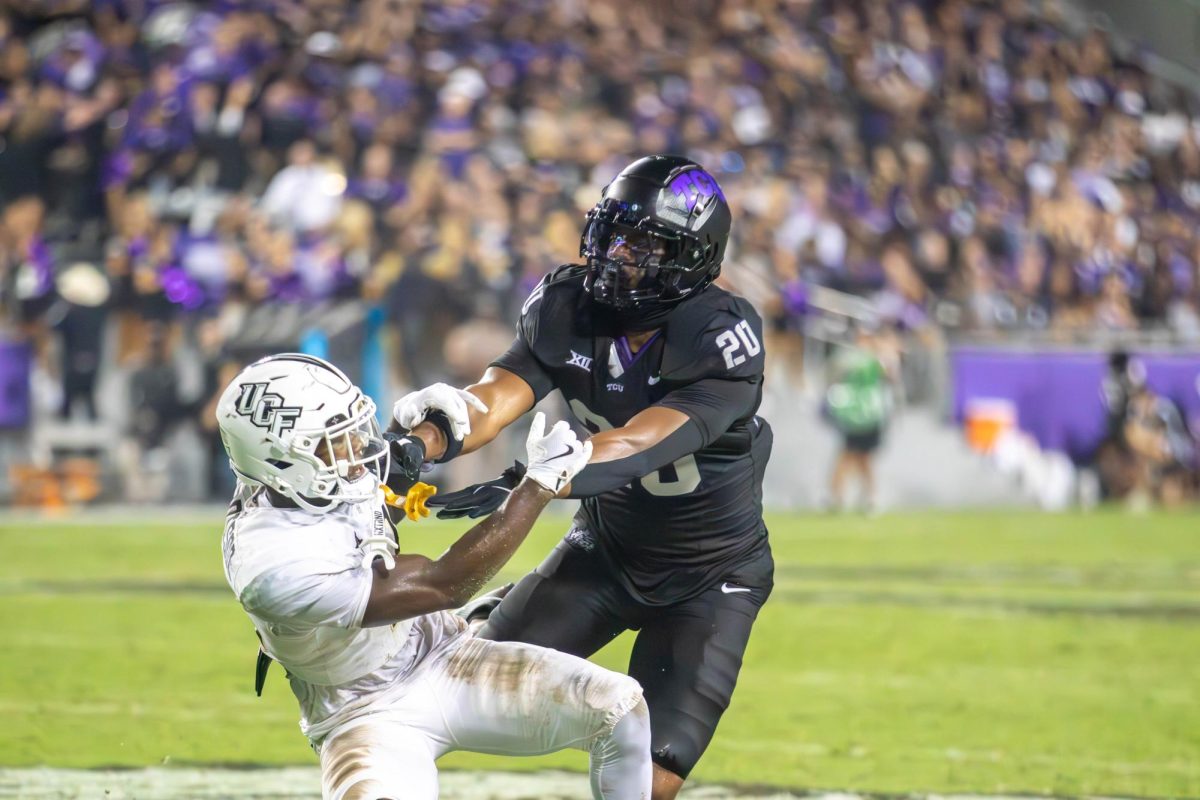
x: 991, y: 653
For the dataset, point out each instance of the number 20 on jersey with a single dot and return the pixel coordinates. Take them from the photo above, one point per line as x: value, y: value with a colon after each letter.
x: 736, y: 339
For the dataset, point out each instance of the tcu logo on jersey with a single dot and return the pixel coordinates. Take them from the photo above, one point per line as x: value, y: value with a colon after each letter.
x: 265, y: 409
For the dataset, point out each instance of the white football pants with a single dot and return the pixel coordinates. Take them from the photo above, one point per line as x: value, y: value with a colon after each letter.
x: 505, y: 698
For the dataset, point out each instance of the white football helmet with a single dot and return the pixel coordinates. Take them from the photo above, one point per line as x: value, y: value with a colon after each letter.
x: 296, y: 424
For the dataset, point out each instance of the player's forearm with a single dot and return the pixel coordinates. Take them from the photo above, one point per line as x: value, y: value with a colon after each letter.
x: 621, y: 462
x: 507, y: 398
x: 484, y: 428
x: 431, y: 435
x: 418, y: 585
x: 479, y: 554
x: 502, y: 412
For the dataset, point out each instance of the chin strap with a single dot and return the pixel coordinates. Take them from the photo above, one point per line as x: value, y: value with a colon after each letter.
x: 260, y: 671
x: 378, y: 546
x: 261, y: 666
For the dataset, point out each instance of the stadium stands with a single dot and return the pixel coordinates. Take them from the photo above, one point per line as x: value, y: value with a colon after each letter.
x: 934, y: 167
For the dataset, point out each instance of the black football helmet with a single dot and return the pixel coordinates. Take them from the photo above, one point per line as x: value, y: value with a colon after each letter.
x: 656, y: 237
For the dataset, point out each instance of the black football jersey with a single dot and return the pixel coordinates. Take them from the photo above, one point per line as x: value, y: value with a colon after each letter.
x: 672, y: 533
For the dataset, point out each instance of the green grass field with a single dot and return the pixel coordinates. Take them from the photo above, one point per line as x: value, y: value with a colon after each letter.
x: 910, y: 653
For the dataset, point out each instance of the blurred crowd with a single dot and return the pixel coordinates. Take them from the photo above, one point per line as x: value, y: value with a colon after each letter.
x: 975, y: 166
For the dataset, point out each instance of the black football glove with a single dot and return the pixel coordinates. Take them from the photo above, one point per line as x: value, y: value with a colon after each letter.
x: 481, y: 499
x: 407, y: 455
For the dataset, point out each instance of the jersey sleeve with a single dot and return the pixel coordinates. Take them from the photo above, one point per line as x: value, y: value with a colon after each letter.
x: 311, y: 592
x: 521, y: 358
x: 717, y: 338
x: 714, y: 404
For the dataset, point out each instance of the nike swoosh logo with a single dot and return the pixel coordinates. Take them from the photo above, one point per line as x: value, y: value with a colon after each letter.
x: 654, y: 379
x: 727, y: 589
x: 566, y: 452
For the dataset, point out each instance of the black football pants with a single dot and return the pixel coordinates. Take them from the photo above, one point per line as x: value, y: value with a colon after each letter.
x: 686, y: 655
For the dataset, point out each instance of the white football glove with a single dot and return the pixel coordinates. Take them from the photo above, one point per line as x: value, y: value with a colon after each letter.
x: 555, y: 457
x: 412, y: 409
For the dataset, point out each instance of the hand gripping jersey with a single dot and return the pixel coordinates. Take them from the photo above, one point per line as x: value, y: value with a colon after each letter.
x: 304, y: 579
x: 674, y: 531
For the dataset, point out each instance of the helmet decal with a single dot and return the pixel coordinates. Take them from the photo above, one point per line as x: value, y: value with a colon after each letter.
x: 692, y: 185
x: 694, y: 193
x: 265, y: 409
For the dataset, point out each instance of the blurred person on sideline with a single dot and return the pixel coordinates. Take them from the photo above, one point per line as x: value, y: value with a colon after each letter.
x: 1148, y: 453
x: 79, y: 319
x: 156, y: 412
x: 1163, y: 448
x: 858, y: 402
x: 218, y: 369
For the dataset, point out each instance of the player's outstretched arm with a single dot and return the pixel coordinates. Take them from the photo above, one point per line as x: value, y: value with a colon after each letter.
x: 470, y: 418
x: 419, y: 585
x: 649, y: 441
x: 508, y: 398
x: 686, y: 420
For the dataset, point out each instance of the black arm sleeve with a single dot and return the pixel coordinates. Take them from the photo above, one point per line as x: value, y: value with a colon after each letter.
x: 712, y: 405
x: 520, y: 360
x: 608, y: 475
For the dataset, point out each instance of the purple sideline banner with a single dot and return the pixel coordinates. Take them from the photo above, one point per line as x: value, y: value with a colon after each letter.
x: 1057, y: 394
x: 14, y: 384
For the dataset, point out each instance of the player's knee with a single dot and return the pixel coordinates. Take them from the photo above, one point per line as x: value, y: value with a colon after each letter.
x: 628, y: 721
x: 624, y: 698
x: 621, y: 760
x: 632, y: 731
x: 627, y: 689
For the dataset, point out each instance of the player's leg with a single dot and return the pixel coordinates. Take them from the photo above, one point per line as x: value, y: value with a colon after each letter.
x: 837, y: 479
x: 376, y: 759
x: 687, y: 658
x: 511, y: 698
x: 867, y: 479
x: 619, y: 762
x: 569, y: 603
x: 868, y: 443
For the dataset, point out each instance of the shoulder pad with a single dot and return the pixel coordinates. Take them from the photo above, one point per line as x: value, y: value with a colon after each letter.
x: 560, y: 281
x: 552, y: 309
x: 714, y: 335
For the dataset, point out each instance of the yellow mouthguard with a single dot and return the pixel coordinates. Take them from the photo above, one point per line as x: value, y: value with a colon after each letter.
x: 413, y: 502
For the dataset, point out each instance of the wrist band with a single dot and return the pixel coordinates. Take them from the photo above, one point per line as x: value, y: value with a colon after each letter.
x: 453, y: 446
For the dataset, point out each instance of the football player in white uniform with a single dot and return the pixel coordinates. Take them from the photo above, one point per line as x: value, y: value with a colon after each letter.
x: 388, y: 679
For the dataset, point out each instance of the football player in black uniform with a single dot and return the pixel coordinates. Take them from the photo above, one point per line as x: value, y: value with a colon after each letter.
x: 666, y: 371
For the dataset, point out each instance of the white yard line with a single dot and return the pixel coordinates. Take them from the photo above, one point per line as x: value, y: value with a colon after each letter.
x: 302, y: 783
x: 291, y: 783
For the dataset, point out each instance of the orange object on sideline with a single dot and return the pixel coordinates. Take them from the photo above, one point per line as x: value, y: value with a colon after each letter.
x: 986, y: 418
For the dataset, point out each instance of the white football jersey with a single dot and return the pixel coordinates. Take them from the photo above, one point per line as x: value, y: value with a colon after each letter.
x: 305, y: 579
